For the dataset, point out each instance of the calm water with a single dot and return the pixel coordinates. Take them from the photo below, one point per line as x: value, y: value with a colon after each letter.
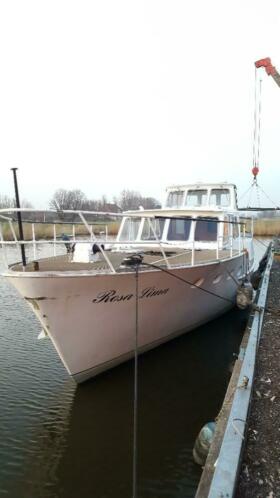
x: 62, y: 441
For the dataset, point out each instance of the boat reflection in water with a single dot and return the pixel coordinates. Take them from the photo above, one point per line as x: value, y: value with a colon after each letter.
x: 181, y: 386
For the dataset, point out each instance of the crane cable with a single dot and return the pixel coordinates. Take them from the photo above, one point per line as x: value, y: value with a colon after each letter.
x: 256, y: 136
x: 255, y: 123
x: 258, y: 145
x: 257, y: 126
x: 256, y: 141
x: 259, y: 123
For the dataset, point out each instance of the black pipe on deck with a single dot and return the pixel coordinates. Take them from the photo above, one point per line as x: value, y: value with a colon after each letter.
x: 20, y: 228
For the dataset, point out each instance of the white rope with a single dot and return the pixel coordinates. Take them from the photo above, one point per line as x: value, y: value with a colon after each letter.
x: 235, y: 428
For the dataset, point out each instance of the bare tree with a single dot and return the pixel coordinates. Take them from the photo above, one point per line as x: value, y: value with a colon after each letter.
x: 6, y: 202
x: 9, y: 202
x: 150, y: 203
x: 130, y: 199
x: 68, y: 199
x: 75, y: 199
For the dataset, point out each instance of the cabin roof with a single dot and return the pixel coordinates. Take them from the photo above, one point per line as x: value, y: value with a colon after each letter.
x: 177, y: 212
x: 200, y: 185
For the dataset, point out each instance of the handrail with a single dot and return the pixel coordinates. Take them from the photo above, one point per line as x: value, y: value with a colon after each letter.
x: 222, y: 241
x: 63, y: 211
x: 159, y: 242
x: 131, y: 214
x: 5, y: 217
x: 97, y: 243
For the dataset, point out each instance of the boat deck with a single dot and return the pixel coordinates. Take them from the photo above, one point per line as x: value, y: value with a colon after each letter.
x: 64, y: 263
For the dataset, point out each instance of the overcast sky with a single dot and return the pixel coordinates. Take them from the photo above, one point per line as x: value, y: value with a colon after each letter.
x: 106, y: 95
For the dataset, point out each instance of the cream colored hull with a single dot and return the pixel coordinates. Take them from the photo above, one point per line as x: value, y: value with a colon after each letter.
x: 91, y: 318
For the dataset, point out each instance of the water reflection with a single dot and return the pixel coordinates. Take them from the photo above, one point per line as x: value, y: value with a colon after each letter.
x: 181, y: 386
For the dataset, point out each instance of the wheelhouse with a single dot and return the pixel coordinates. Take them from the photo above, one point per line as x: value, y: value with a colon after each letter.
x: 201, y: 196
x: 204, y: 215
x: 184, y: 230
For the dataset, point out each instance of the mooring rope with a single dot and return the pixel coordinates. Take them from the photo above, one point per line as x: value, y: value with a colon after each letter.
x: 189, y: 283
x: 236, y: 428
x: 135, y: 401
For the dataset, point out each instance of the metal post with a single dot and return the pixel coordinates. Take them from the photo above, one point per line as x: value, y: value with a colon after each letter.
x: 239, y: 238
x: 92, y: 236
x: 34, y: 241
x: 13, y: 231
x: 54, y: 240
x: 193, y: 249
x: 217, y: 248
x: 5, y: 259
x: 159, y: 243
x: 193, y: 228
x: 20, y: 229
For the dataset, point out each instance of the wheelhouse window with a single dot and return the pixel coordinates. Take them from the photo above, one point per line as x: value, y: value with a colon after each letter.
x: 130, y: 229
x: 226, y: 226
x: 152, y: 229
x: 220, y: 197
x: 175, y: 198
x: 196, y: 198
x: 231, y: 226
x: 206, y: 230
x: 179, y: 229
x: 235, y: 227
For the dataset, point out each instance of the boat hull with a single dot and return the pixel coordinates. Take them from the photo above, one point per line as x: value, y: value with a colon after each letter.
x: 91, y: 318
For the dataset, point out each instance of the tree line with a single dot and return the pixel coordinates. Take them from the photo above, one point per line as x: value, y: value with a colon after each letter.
x: 73, y: 200
x: 76, y: 199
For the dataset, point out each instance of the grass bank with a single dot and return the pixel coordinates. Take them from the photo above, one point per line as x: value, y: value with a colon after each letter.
x: 45, y: 231
x: 267, y: 226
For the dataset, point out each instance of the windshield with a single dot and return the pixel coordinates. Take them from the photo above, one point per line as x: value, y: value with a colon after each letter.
x: 152, y: 229
x: 175, y: 198
x: 220, y: 197
x: 179, y: 229
x: 206, y: 230
x: 196, y: 198
x: 130, y: 229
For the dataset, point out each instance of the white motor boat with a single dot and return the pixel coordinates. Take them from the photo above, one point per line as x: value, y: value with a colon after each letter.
x: 173, y: 269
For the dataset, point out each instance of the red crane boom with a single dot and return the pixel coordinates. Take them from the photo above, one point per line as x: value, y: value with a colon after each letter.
x: 270, y: 69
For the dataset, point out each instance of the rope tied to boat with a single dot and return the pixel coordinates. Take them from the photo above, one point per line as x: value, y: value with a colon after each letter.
x: 135, y: 260
x: 202, y: 289
x: 135, y: 403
